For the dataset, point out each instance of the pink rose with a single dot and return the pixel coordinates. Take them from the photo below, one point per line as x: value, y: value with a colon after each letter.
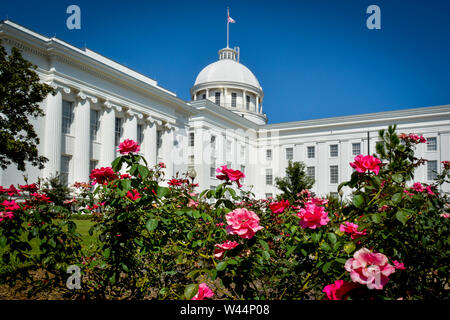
x: 428, y: 189
x: 11, y: 191
x: 203, y: 292
x: 230, y: 175
x: 243, y: 223
x: 339, y: 289
x: 366, y: 163
x: 445, y: 215
x: 312, y: 216
x: 174, y: 182
x: 133, y: 195
x: 4, y: 215
x: 446, y: 165
x: 371, y: 269
x: 398, y: 265
x: 418, y: 187
x: 279, y: 207
x: 128, y: 146
x: 227, y: 245
x: 10, y: 205
x: 352, y: 229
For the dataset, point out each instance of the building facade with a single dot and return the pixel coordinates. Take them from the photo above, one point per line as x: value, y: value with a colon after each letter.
x: 99, y: 103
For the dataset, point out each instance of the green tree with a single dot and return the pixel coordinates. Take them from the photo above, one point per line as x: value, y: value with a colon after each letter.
x: 295, y: 181
x: 20, y: 95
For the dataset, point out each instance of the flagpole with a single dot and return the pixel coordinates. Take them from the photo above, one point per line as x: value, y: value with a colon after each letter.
x: 228, y: 24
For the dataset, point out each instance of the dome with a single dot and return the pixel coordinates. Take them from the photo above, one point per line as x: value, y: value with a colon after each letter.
x: 227, y: 70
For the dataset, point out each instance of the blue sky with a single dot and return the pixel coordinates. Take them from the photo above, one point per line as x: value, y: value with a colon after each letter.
x: 313, y: 58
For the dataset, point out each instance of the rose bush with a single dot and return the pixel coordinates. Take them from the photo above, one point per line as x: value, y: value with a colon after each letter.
x: 388, y: 240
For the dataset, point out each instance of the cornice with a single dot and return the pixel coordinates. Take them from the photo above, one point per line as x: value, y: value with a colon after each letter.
x: 363, y: 119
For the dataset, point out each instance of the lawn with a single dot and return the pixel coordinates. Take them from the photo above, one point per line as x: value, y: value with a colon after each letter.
x: 88, y: 243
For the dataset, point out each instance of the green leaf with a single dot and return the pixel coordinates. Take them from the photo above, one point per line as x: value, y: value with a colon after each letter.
x: 190, y: 291
x: 112, y: 279
x: 289, y: 251
x: 264, y: 244
x: 358, y: 200
x: 266, y: 255
x: 3, y: 241
x: 162, y: 192
x: 376, y: 218
x: 332, y: 237
x: 221, y: 266
x: 124, y: 267
x: 396, y: 198
x: 349, y: 247
x: 325, y: 246
x: 143, y: 171
x: 402, y: 216
x: 397, y: 177
x: 326, y: 266
x: 151, y: 224
x: 117, y: 164
x: 106, y: 253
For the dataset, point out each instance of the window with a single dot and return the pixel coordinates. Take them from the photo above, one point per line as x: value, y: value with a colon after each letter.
x: 213, y: 142
x: 212, y: 169
x: 247, y: 102
x: 233, y: 99
x: 242, y: 152
x: 311, y: 172
x: 140, y: 133
x: 334, y: 150
x: 228, y: 146
x: 191, y: 162
x: 269, y: 177
x: 334, y: 174
x: 67, y: 116
x: 204, y: 96
x: 432, y: 144
x: 191, y: 139
x: 311, y: 152
x: 269, y: 154
x: 65, y: 165
x: 432, y: 169
x: 94, y: 124
x: 158, y: 140
x: 356, y: 148
x: 92, y: 165
x: 289, y: 153
x: 269, y: 195
x: 243, y: 171
x: 118, y: 131
x: 217, y: 97
x: 334, y: 195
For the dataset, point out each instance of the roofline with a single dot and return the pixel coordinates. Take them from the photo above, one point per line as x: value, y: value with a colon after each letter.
x: 368, y: 118
x: 47, y: 44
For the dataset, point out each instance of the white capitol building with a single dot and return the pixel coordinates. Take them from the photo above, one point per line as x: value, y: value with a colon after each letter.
x: 100, y: 103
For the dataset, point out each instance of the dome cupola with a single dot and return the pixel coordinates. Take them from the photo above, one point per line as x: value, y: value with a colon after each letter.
x: 230, y: 84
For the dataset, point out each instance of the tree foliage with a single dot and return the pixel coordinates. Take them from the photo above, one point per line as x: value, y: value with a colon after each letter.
x: 295, y: 181
x: 20, y: 95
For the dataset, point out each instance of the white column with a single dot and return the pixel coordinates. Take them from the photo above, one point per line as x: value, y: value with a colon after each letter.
x: 150, y: 151
x: 130, y: 127
x: 53, y: 133
x: 81, y: 154
x: 167, y: 147
x: 199, y: 162
x: 107, y: 124
x: 244, y: 100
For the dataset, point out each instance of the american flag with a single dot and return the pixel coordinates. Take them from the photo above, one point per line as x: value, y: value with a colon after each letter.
x: 230, y: 19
